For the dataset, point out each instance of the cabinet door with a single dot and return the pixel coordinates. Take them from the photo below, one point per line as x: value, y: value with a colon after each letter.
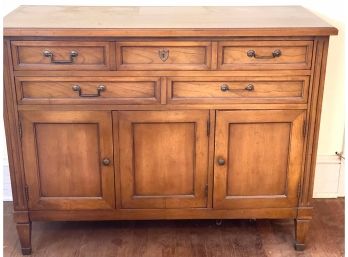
x: 163, y: 158
x: 258, y: 158
x: 68, y: 159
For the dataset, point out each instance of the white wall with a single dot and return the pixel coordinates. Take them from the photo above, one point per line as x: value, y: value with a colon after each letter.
x: 329, y: 176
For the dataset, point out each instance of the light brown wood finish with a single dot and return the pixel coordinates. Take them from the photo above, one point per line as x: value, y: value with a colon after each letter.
x: 179, y: 55
x: 165, y: 21
x: 193, y: 90
x: 162, y: 118
x: 59, y: 90
x: 20, y: 203
x: 24, y: 232
x: 12, y: 136
x: 261, y: 153
x: 232, y: 55
x: 314, y: 121
x: 69, y: 147
x: 163, y: 158
x: 273, y: 73
x: 29, y: 55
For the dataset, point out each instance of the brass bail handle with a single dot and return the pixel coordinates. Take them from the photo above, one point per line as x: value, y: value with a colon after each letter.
x: 275, y: 53
x: 225, y: 88
x: 78, y: 89
x: 72, y: 55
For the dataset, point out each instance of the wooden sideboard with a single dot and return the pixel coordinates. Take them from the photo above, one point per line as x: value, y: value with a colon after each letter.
x: 118, y: 113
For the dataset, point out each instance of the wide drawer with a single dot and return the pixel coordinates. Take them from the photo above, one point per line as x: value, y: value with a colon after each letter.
x: 191, y: 90
x: 88, y: 90
x: 263, y: 55
x: 62, y: 55
x: 163, y: 55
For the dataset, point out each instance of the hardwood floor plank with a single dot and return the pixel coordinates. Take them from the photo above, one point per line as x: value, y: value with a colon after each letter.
x: 182, y: 238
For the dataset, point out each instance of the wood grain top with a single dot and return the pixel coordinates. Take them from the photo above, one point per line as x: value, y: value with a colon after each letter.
x: 164, y: 21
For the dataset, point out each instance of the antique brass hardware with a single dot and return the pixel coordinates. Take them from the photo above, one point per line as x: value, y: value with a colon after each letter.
x: 249, y: 87
x: 221, y: 161
x: 50, y: 55
x: 163, y: 54
x: 100, y: 88
x: 275, y: 53
x: 224, y: 87
x: 106, y: 161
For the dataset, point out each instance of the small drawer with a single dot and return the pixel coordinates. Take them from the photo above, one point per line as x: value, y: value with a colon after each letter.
x: 88, y: 90
x: 62, y: 55
x: 263, y: 55
x: 224, y: 90
x: 159, y: 55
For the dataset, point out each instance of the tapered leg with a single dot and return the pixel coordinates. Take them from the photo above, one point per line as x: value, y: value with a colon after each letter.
x: 301, y: 229
x: 24, y: 233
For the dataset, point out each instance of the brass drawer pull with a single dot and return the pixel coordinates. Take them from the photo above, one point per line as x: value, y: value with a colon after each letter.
x: 275, y: 53
x: 225, y: 87
x: 163, y: 54
x: 50, y: 55
x: 100, y: 88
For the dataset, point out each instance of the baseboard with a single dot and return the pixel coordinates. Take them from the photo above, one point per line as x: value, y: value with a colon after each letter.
x: 7, y: 191
x: 328, y: 181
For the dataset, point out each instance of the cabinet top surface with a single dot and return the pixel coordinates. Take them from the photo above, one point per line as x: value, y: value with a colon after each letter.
x: 123, y: 21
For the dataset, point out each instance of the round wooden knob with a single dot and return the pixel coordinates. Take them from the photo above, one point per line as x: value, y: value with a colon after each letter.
x: 106, y: 161
x: 221, y: 161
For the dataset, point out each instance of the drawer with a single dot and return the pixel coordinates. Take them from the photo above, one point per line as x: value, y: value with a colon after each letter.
x: 263, y: 55
x: 62, y: 55
x: 159, y: 55
x: 224, y: 90
x: 88, y: 90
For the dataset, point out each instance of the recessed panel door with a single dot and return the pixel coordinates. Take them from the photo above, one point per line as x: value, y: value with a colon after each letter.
x: 163, y: 158
x: 258, y: 158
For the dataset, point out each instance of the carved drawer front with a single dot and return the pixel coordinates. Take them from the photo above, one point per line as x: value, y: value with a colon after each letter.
x: 88, y: 90
x: 169, y: 55
x: 263, y: 55
x: 61, y: 55
x: 186, y: 90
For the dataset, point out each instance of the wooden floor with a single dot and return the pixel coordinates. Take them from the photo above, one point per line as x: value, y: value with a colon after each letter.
x: 239, y: 238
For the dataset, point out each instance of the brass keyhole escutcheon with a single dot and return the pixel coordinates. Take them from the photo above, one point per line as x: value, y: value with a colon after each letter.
x: 163, y: 54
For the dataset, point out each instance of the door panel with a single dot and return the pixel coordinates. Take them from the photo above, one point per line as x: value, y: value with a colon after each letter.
x: 63, y: 154
x: 249, y: 160
x: 258, y: 158
x: 155, y: 154
x: 163, y: 158
x: 75, y: 153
